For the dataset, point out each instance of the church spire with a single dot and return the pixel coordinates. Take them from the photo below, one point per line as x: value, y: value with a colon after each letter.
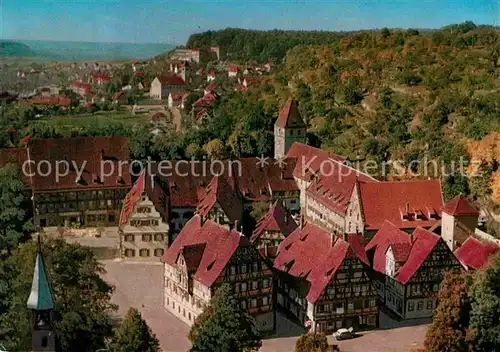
x: 41, y: 295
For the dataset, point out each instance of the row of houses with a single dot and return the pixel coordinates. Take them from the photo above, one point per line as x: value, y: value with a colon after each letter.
x: 335, y: 246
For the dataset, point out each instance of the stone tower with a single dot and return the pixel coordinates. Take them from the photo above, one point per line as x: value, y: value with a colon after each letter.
x: 458, y: 221
x: 40, y: 302
x: 288, y: 128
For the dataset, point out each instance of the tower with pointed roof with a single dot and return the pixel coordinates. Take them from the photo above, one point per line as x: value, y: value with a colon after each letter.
x: 41, y: 303
x: 288, y: 128
x: 458, y: 221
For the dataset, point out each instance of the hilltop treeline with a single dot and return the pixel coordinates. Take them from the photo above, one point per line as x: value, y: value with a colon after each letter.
x: 245, y: 45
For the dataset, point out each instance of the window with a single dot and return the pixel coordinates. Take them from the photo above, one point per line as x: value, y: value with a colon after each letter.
x: 372, y: 303
x: 45, y: 341
x: 420, y: 305
x: 146, y: 238
x: 243, y: 268
x: 255, y: 267
x: 429, y: 304
x: 265, y: 301
x: 255, y: 285
x: 233, y: 270
x: 237, y: 287
x: 129, y: 252
x: 159, y: 252
x: 411, y: 306
x: 144, y: 252
x: 435, y: 287
x: 253, y: 303
x: 265, y: 283
x: 159, y: 237
x: 243, y: 286
x: 129, y: 238
x: 243, y: 304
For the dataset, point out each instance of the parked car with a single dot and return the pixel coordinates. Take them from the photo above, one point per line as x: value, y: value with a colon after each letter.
x: 344, y: 334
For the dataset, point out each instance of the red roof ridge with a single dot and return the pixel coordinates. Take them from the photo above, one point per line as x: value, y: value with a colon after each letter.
x: 290, y: 115
x: 474, y: 253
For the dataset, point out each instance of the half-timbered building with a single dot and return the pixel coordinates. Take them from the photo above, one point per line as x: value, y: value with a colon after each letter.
x: 414, y: 269
x: 272, y: 229
x: 204, y: 256
x: 323, y: 279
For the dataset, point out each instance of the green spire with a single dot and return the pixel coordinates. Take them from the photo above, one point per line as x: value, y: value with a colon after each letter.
x: 41, y: 296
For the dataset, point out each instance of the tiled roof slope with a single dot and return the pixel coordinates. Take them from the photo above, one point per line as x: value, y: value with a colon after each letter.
x: 276, y: 219
x: 312, y: 254
x: 388, y: 200
x: 475, y: 254
x: 387, y: 234
x: 220, y: 245
x: 218, y: 191
x: 459, y: 206
x: 289, y: 116
x: 309, y: 159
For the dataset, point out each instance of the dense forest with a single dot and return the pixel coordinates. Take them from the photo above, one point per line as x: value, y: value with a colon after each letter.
x: 383, y: 95
x: 244, y: 45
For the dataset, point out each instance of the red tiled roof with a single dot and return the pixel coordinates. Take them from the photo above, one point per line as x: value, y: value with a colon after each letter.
x: 475, y: 254
x: 277, y: 219
x: 459, y: 206
x: 312, y: 254
x: 139, y: 73
x: 423, y: 242
x: 25, y: 139
x: 202, y: 113
x: 171, y: 80
x: 205, y: 101
x: 219, y: 191
x: 176, y: 96
x: 289, y: 116
x: 309, y: 159
x: 240, y: 87
x: 187, y: 180
x: 132, y: 197
x: 211, y: 73
x: 101, y: 77
x: 56, y: 100
x: 388, y: 200
x: 157, y: 115
x: 387, y: 234
x: 220, y: 245
x: 256, y: 183
x: 233, y: 68
x: 357, y: 248
x: 192, y: 255
x: 86, y: 152
x: 79, y: 84
x: 400, y: 251
x: 118, y: 94
x: 334, y: 185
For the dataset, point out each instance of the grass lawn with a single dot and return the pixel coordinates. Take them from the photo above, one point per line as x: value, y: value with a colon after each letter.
x: 99, y: 119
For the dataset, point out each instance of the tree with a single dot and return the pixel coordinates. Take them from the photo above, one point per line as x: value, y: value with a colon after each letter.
x: 82, y: 297
x: 14, y: 223
x: 312, y: 342
x: 134, y: 335
x: 485, y: 303
x: 480, y: 182
x: 214, y: 149
x: 224, y: 326
x: 448, y: 331
x: 454, y: 185
x: 259, y: 209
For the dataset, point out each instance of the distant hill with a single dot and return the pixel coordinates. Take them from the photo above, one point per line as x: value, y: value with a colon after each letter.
x: 78, y: 51
x: 11, y: 48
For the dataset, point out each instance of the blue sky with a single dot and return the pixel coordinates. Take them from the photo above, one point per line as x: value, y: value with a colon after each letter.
x: 172, y: 21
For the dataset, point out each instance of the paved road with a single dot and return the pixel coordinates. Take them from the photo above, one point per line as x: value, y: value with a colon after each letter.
x: 140, y: 286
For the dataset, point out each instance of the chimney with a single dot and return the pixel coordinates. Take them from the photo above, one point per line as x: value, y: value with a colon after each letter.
x: 265, y: 250
x: 236, y: 225
x: 407, y: 208
x: 301, y: 221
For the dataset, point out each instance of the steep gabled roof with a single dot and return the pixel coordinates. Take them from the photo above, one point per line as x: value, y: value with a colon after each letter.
x: 423, y: 242
x: 276, y: 219
x: 193, y: 254
x: 459, y: 206
x: 132, y: 197
x: 388, y: 201
x: 475, y: 254
x: 220, y: 245
x: 40, y: 297
x: 220, y: 192
x: 290, y: 116
x: 387, y: 234
x: 312, y: 254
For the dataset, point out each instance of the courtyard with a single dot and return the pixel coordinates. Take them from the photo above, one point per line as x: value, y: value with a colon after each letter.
x: 139, y: 285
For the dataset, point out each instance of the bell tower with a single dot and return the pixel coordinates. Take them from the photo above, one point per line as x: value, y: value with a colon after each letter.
x: 288, y: 128
x: 41, y: 303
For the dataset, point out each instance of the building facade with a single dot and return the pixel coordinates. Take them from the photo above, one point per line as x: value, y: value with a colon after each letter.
x: 206, y: 255
x: 288, y: 128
